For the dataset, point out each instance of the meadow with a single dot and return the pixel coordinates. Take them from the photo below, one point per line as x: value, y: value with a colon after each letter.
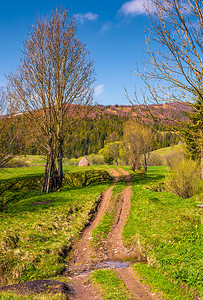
x: 166, y: 232
x: 38, y: 230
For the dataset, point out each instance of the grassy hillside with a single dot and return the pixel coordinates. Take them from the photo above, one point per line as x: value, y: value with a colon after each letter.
x: 38, y: 229
x: 164, y: 155
x: 166, y: 232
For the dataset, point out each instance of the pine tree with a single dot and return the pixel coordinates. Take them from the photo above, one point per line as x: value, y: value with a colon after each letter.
x: 193, y: 132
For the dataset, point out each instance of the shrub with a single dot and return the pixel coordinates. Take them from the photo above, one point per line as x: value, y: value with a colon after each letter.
x: 95, y: 159
x: 155, y: 159
x: 16, y: 163
x: 184, y: 179
x: 72, y: 161
x: 85, y: 178
x: 173, y: 158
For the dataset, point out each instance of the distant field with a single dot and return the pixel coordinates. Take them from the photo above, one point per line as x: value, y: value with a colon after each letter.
x: 9, y: 173
x: 162, y: 156
x: 168, y: 150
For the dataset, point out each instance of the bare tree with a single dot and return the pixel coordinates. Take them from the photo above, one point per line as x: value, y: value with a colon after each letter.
x: 52, y: 85
x: 138, y: 139
x: 173, y: 69
x: 8, y: 132
x: 5, y: 155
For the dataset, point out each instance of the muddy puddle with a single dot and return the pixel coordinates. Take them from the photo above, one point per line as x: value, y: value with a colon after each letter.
x: 82, y: 269
x: 112, y: 264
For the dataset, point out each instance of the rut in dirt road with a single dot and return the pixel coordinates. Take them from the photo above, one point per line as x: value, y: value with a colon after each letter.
x: 85, y: 258
x: 114, y: 242
x: 83, y: 255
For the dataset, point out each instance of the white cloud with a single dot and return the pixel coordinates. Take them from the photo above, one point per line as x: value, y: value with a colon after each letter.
x: 86, y: 17
x: 106, y: 26
x: 135, y: 7
x: 98, y: 90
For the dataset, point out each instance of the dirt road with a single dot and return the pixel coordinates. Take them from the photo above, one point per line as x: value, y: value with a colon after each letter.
x: 85, y: 258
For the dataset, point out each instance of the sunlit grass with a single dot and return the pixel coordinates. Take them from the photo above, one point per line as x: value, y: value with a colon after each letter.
x: 38, y: 229
x: 167, y: 231
x: 13, y: 296
x: 112, y: 285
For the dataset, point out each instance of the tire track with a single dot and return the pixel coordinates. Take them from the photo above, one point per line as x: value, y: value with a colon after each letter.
x: 85, y: 258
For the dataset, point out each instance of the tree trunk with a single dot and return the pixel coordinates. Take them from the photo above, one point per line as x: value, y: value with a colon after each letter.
x: 146, y: 158
x: 60, y: 165
x: 201, y: 162
x: 50, y: 174
x: 44, y: 183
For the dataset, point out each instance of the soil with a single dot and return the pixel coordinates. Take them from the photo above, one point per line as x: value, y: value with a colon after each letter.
x: 84, y: 258
x: 114, y: 242
x: 37, y: 287
x: 111, y: 254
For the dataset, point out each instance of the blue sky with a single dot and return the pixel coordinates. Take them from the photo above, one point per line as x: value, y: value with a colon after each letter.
x: 112, y: 29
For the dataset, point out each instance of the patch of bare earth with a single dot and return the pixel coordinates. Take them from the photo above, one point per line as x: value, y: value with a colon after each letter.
x: 137, y: 289
x: 116, y: 174
x: 114, y: 242
x: 38, y: 287
x: 85, y: 258
x: 83, y: 254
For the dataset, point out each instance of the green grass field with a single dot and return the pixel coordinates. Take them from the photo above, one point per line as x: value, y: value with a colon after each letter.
x: 166, y: 231
x: 37, y: 229
x: 112, y: 286
x: 14, y: 296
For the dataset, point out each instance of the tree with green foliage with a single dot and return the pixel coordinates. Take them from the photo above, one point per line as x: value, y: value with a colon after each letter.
x: 138, y: 139
x: 192, y: 132
x: 111, y: 152
x: 93, y: 133
x: 52, y: 86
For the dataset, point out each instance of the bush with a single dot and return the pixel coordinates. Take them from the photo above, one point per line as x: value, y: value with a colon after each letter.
x: 175, y: 157
x: 95, y: 159
x: 155, y: 159
x: 72, y: 162
x: 184, y: 179
x: 16, y: 163
x: 85, y: 178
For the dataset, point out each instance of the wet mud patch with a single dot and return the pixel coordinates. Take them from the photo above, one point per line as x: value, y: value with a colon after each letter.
x: 87, y: 268
x: 38, y: 287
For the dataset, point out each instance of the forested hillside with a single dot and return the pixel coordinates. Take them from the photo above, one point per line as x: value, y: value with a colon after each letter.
x: 104, y: 124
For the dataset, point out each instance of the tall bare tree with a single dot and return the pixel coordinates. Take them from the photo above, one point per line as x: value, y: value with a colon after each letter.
x: 52, y: 85
x: 9, y: 129
x: 5, y: 154
x: 173, y: 70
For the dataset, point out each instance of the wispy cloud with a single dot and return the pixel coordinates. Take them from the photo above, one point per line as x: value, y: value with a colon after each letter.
x: 106, y: 26
x: 99, y: 90
x: 86, y: 17
x: 135, y: 7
